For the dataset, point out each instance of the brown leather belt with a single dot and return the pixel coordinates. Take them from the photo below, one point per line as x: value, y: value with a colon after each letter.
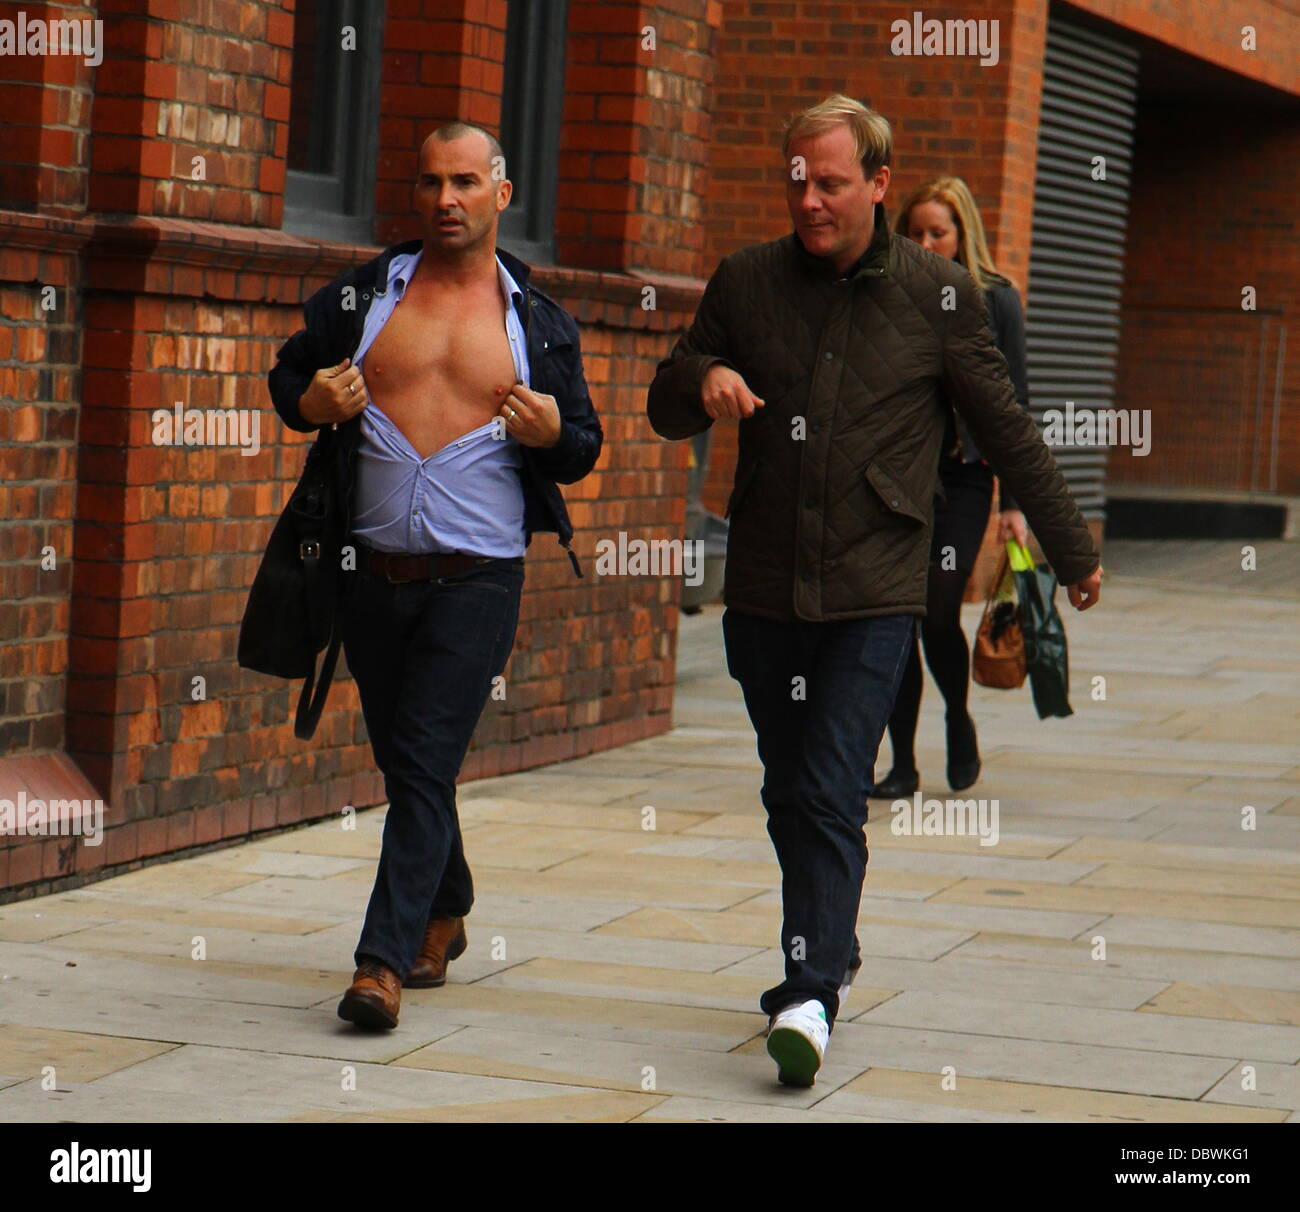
x: 397, y: 567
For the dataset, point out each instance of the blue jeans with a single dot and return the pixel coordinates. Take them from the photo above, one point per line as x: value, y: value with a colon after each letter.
x: 423, y: 655
x: 818, y: 695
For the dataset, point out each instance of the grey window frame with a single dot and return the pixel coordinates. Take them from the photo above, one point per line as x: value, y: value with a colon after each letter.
x: 341, y: 205
x: 532, y: 110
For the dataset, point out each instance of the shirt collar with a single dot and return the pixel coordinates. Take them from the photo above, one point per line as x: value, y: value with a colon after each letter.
x: 401, y: 269
x: 509, y: 287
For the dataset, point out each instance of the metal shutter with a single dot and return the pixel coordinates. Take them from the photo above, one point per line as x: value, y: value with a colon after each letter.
x: 1076, y: 266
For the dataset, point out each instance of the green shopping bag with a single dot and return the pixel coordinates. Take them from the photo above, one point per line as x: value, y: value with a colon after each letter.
x: 1045, y: 652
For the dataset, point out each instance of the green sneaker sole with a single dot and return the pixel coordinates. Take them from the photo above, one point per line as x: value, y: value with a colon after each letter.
x: 797, y: 1060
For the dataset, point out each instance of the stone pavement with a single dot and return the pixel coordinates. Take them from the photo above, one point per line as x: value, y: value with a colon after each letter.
x: 614, y: 970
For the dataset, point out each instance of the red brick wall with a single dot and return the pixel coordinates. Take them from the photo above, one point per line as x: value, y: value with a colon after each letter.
x: 1188, y: 351
x: 39, y: 356
x: 1212, y: 30
x: 442, y: 63
x: 178, y: 83
x: 166, y: 542
x: 188, y: 302
x: 44, y: 151
x: 636, y: 135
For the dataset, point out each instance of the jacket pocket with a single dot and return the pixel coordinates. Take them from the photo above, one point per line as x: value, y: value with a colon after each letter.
x: 550, y: 367
x: 742, y: 486
x: 892, y: 493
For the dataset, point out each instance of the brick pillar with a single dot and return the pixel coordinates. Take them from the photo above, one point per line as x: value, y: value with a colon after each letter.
x: 634, y: 151
x: 441, y: 68
x: 177, y: 137
x: 111, y: 619
x: 39, y: 389
x: 43, y: 154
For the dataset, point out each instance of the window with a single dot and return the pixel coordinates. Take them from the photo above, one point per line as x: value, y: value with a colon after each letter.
x: 329, y: 187
x: 531, y: 107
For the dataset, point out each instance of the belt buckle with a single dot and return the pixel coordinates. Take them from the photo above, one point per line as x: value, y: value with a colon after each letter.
x: 388, y: 572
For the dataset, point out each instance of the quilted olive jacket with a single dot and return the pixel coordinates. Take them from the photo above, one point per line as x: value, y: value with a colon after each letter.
x: 835, y: 480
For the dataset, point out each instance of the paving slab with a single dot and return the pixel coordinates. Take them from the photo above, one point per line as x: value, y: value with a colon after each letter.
x: 614, y: 970
x: 1087, y: 1025
x: 978, y: 1100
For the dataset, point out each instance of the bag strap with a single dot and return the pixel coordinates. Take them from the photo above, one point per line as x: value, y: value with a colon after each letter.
x: 994, y: 585
x: 1019, y: 557
x: 309, y: 706
x: 311, y: 552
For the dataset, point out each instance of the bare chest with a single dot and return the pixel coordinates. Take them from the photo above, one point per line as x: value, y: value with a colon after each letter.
x: 440, y: 366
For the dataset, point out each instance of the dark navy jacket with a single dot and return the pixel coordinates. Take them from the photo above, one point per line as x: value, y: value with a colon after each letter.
x: 1007, y: 322
x: 555, y: 368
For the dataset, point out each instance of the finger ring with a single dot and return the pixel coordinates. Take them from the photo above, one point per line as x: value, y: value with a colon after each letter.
x: 352, y: 389
x: 512, y: 414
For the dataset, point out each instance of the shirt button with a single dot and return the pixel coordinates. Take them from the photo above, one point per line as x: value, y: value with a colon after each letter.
x: 894, y: 504
x: 829, y: 355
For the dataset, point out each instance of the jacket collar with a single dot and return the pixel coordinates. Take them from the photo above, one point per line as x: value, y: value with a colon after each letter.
x: 518, y: 270
x: 874, y: 263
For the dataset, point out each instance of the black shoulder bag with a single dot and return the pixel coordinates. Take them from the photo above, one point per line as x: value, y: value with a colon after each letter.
x: 292, y: 614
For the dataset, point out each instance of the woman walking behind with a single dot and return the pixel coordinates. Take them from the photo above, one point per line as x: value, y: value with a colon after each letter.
x: 941, y: 216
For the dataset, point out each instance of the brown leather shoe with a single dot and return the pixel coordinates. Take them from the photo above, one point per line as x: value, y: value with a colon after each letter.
x: 444, y: 941
x: 374, y: 997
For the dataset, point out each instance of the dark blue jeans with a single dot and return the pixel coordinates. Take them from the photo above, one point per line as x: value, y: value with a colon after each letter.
x: 423, y: 655
x: 819, y: 695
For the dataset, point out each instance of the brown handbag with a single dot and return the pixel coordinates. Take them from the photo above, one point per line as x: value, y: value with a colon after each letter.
x: 999, y: 657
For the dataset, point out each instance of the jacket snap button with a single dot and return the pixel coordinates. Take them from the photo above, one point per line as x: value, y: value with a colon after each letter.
x: 894, y: 504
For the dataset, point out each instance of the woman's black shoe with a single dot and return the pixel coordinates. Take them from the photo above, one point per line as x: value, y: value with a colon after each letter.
x: 963, y: 754
x: 896, y: 785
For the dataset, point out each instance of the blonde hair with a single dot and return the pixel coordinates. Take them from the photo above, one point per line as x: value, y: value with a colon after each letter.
x: 972, y: 247
x: 872, y: 136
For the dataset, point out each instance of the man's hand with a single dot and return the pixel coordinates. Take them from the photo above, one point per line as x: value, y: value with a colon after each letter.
x: 1086, y: 592
x: 336, y: 393
x: 1012, y: 525
x: 532, y: 419
x: 724, y: 394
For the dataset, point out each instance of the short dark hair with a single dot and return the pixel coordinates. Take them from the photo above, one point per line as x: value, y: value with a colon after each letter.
x: 450, y: 131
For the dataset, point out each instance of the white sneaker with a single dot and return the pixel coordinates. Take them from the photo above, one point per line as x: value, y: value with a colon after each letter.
x: 796, y: 1040
x: 849, y: 976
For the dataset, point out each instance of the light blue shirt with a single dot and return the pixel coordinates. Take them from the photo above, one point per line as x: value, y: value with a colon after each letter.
x: 466, y: 497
